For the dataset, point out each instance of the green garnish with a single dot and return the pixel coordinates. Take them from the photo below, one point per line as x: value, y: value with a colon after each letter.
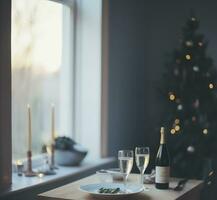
x: 109, y: 190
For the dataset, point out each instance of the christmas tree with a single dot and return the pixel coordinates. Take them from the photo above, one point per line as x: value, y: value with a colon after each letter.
x: 190, y: 101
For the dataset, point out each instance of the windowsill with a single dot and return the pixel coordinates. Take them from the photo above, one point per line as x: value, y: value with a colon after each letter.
x: 64, y: 175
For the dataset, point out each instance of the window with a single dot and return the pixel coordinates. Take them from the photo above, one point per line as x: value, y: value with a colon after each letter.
x: 56, y: 58
x: 42, y: 72
x: 84, y: 76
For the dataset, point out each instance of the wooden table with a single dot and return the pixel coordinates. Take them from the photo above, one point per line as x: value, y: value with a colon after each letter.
x: 71, y: 191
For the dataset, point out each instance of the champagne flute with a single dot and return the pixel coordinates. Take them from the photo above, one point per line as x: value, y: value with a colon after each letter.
x: 142, y: 159
x: 125, y: 158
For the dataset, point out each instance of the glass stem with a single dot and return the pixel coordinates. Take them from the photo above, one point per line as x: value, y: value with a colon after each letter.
x: 141, y: 178
x: 125, y: 183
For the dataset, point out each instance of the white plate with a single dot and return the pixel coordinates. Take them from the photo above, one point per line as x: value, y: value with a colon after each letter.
x: 130, y: 189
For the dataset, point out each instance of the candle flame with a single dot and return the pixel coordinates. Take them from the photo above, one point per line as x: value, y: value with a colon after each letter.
x: 19, y: 162
x: 40, y: 175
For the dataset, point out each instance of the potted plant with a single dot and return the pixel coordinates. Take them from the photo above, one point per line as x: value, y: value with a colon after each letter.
x: 68, y: 152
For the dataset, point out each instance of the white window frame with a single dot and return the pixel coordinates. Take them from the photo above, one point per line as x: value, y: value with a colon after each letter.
x: 88, y: 70
x: 87, y: 73
x: 68, y: 94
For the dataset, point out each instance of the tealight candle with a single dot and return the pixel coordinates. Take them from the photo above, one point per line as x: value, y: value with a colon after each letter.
x: 19, y: 165
x: 19, y: 162
x: 40, y: 175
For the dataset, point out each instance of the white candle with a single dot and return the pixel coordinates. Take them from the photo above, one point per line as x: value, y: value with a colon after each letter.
x: 29, y: 128
x: 53, y: 123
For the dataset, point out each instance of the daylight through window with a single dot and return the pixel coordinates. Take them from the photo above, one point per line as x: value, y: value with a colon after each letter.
x: 41, y: 72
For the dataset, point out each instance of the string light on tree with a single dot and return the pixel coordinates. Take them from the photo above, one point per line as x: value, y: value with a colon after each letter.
x: 209, y: 182
x: 211, y: 173
x: 211, y: 86
x: 179, y: 107
x: 172, y: 131
x: 190, y: 149
x: 177, y: 121
x: 189, y: 43
x: 188, y: 57
x: 205, y: 131
x: 200, y: 44
x: 172, y: 96
x: 196, y: 68
x: 177, y: 127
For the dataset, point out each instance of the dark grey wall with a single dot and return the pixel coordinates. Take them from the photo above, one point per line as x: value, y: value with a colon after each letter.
x: 5, y: 94
x: 141, y: 33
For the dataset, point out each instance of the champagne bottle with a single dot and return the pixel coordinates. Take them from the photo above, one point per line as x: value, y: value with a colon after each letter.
x: 162, y: 164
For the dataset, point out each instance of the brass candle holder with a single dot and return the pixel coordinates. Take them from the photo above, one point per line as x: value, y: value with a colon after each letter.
x: 29, y: 172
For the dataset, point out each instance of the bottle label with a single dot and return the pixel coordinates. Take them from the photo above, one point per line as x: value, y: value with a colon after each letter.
x: 162, y: 174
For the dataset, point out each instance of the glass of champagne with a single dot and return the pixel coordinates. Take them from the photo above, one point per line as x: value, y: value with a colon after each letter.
x: 125, y: 158
x: 142, y: 159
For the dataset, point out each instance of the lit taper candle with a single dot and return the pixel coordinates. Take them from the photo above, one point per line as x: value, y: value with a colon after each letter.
x: 53, y: 123
x: 29, y: 128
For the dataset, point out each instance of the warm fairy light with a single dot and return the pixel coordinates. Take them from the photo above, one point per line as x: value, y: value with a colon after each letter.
x: 172, y: 131
x: 205, y: 131
x: 40, y: 175
x: 177, y: 127
x: 188, y: 57
x: 172, y: 97
x: 200, y: 44
x: 177, y: 121
x: 211, y: 86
